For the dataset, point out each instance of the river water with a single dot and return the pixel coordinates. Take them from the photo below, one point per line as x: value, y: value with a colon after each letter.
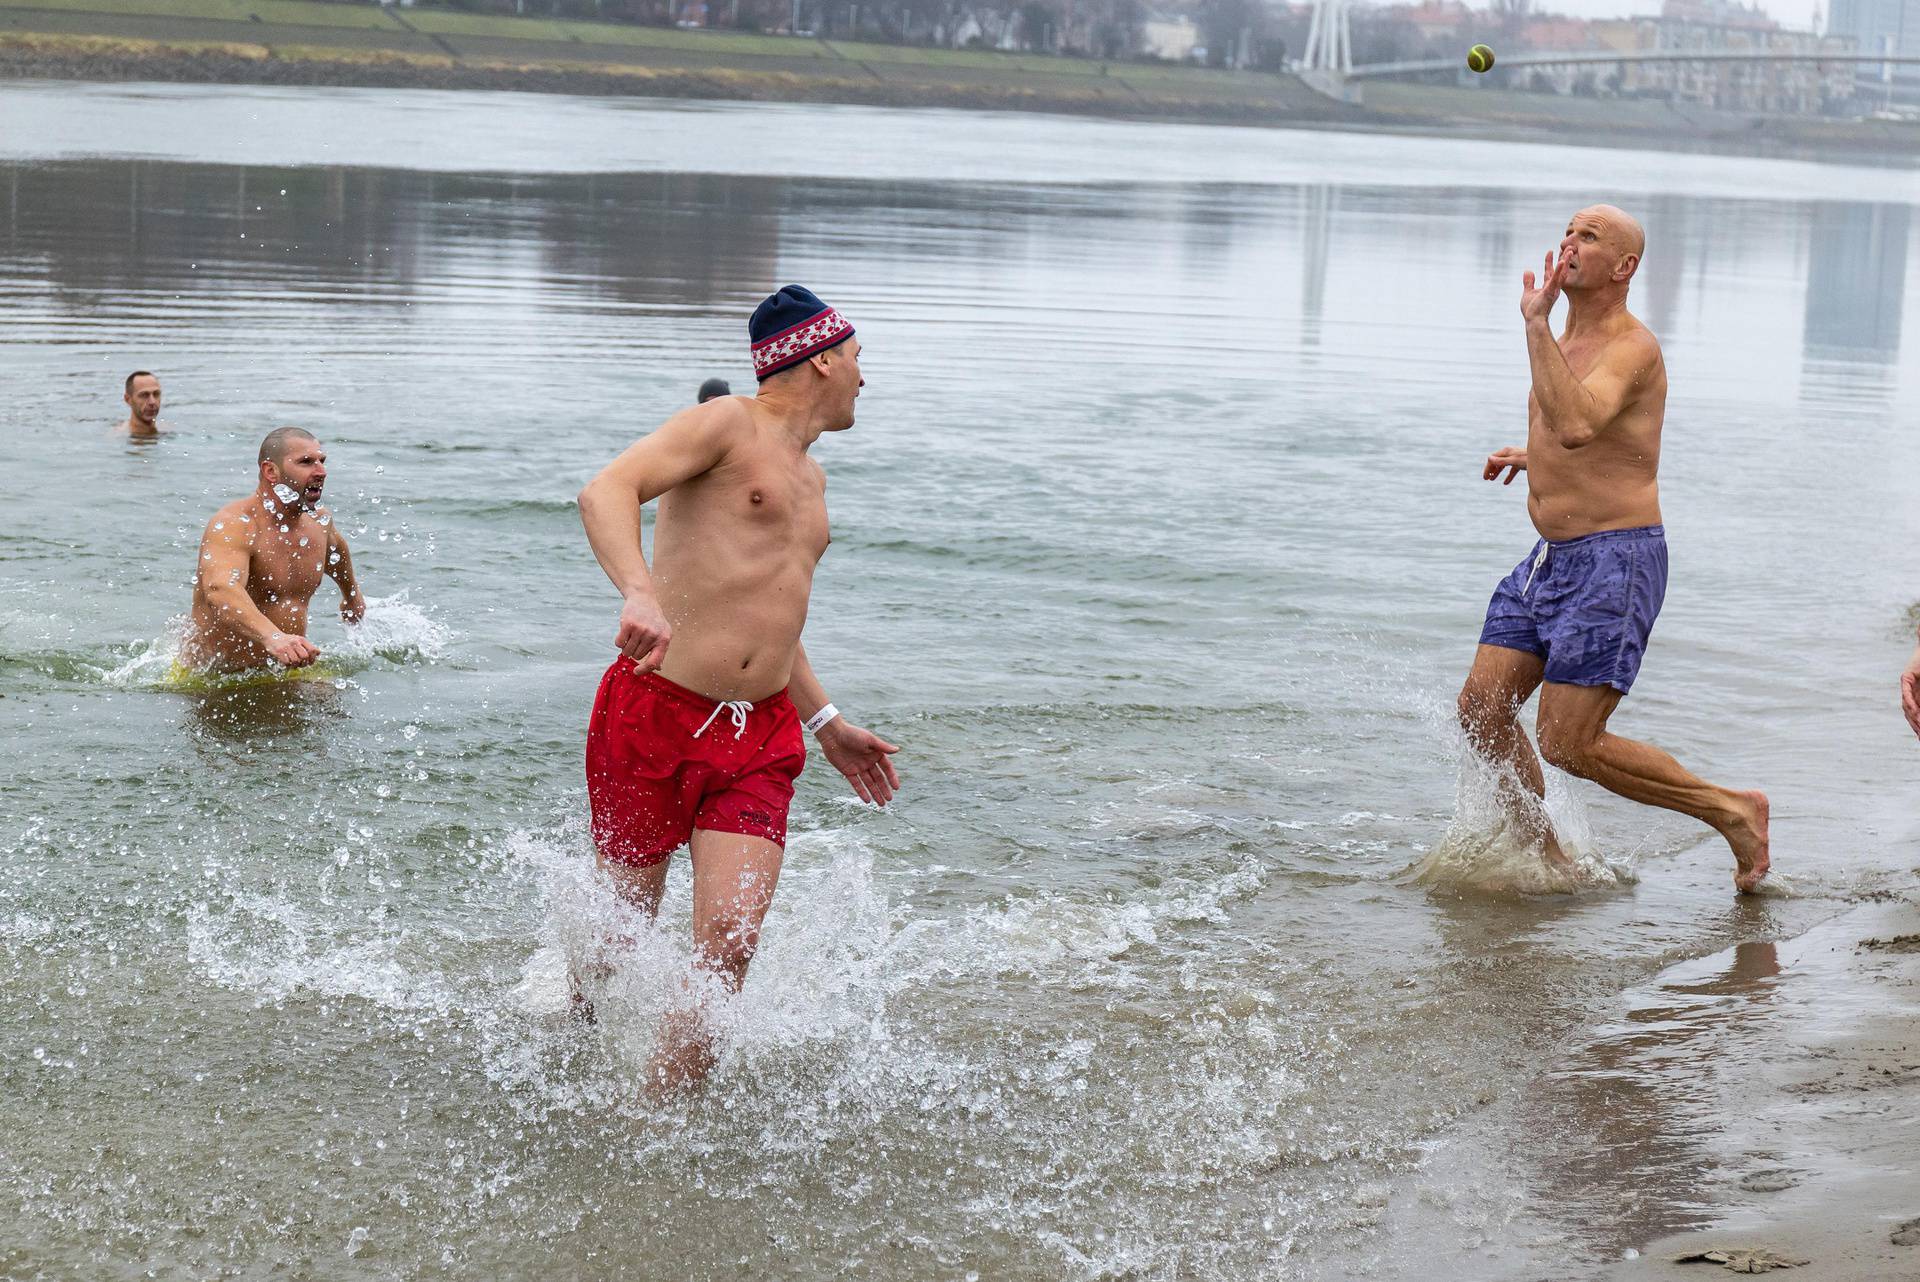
x: 1160, y: 546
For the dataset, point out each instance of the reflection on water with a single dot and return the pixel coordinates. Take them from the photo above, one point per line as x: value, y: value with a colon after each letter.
x: 1160, y: 546
x: 1317, y: 211
x: 280, y: 716
x: 1647, y: 1098
x: 125, y: 239
x: 1856, y: 282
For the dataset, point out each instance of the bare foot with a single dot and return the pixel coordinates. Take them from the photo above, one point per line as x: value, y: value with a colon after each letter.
x: 1557, y: 859
x: 579, y: 1005
x: 1748, y: 837
x: 683, y: 1058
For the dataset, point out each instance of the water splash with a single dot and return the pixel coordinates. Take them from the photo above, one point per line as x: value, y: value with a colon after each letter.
x: 397, y: 630
x: 272, y: 949
x: 1485, y: 850
x: 831, y: 1041
x: 393, y: 629
x: 147, y: 664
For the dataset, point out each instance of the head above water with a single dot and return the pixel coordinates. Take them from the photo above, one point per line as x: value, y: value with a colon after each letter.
x: 1601, y: 249
x: 714, y: 387
x: 143, y: 397
x: 292, y: 456
x: 805, y: 351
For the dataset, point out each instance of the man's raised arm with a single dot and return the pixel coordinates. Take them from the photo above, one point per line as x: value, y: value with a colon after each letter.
x: 1577, y: 410
x: 690, y: 443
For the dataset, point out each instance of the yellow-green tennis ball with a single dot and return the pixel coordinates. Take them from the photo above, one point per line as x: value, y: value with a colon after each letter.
x: 1480, y: 58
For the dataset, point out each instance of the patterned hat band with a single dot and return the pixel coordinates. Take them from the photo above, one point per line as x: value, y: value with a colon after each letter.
x: 791, y: 346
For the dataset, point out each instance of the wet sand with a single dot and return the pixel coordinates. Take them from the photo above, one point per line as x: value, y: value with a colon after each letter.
x: 1817, y: 1070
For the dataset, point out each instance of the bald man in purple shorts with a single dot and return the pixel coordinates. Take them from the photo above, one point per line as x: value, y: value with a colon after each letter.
x: 1572, y: 620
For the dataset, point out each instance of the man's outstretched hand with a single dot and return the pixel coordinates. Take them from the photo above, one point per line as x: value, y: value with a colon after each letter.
x: 1536, y: 302
x: 1910, y: 691
x: 1512, y: 460
x: 861, y: 756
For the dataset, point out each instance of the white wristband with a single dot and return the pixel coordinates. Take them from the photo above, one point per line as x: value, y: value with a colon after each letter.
x: 821, y: 718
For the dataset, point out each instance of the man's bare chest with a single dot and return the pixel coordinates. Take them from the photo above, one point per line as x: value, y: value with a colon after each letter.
x: 286, y: 566
x: 1582, y: 359
x: 766, y: 504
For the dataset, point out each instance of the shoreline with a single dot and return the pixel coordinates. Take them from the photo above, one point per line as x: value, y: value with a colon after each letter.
x: 1810, y: 1066
x: 1753, y: 1099
x: 1187, y: 98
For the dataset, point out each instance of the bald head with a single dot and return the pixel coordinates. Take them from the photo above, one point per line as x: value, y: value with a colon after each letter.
x: 1602, y: 249
x: 273, y: 449
x: 1632, y: 237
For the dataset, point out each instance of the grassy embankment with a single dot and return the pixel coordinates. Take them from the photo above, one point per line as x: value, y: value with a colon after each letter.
x: 304, y: 42
x: 301, y: 42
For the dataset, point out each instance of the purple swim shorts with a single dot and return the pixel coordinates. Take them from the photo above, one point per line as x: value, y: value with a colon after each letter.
x: 1586, y: 606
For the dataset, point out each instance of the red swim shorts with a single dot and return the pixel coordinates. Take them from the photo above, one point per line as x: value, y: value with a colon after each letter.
x: 663, y: 761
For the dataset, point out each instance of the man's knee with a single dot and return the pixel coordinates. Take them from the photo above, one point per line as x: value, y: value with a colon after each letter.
x: 729, y: 942
x: 1567, y: 750
x: 1483, y: 710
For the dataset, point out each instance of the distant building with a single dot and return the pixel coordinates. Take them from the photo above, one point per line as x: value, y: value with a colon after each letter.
x: 1550, y: 33
x: 980, y: 31
x: 1173, y: 37
x: 1442, y: 19
x: 1726, y: 26
x: 1881, y: 27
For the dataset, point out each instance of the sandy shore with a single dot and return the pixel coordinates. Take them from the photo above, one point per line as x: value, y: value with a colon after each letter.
x: 1816, y: 1060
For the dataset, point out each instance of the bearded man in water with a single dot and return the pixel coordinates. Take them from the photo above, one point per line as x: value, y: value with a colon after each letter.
x: 1573, y: 618
x: 696, y: 736
x: 261, y: 561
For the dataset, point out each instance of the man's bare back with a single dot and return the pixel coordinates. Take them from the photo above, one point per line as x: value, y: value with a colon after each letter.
x: 261, y: 560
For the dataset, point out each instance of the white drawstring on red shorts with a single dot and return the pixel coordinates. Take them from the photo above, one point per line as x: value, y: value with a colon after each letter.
x: 738, y: 707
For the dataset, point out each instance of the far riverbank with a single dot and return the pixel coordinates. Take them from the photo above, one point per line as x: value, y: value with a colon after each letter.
x: 371, y: 47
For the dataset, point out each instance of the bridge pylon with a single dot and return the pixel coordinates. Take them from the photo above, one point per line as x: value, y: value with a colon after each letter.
x: 1328, y: 57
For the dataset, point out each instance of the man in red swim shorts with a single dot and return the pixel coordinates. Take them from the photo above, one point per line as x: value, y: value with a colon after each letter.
x: 697, y: 731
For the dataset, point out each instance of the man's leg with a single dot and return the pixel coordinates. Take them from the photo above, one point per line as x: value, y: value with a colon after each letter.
x: 639, y: 888
x: 1500, y: 683
x: 733, y: 881
x: 1574, y: 738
